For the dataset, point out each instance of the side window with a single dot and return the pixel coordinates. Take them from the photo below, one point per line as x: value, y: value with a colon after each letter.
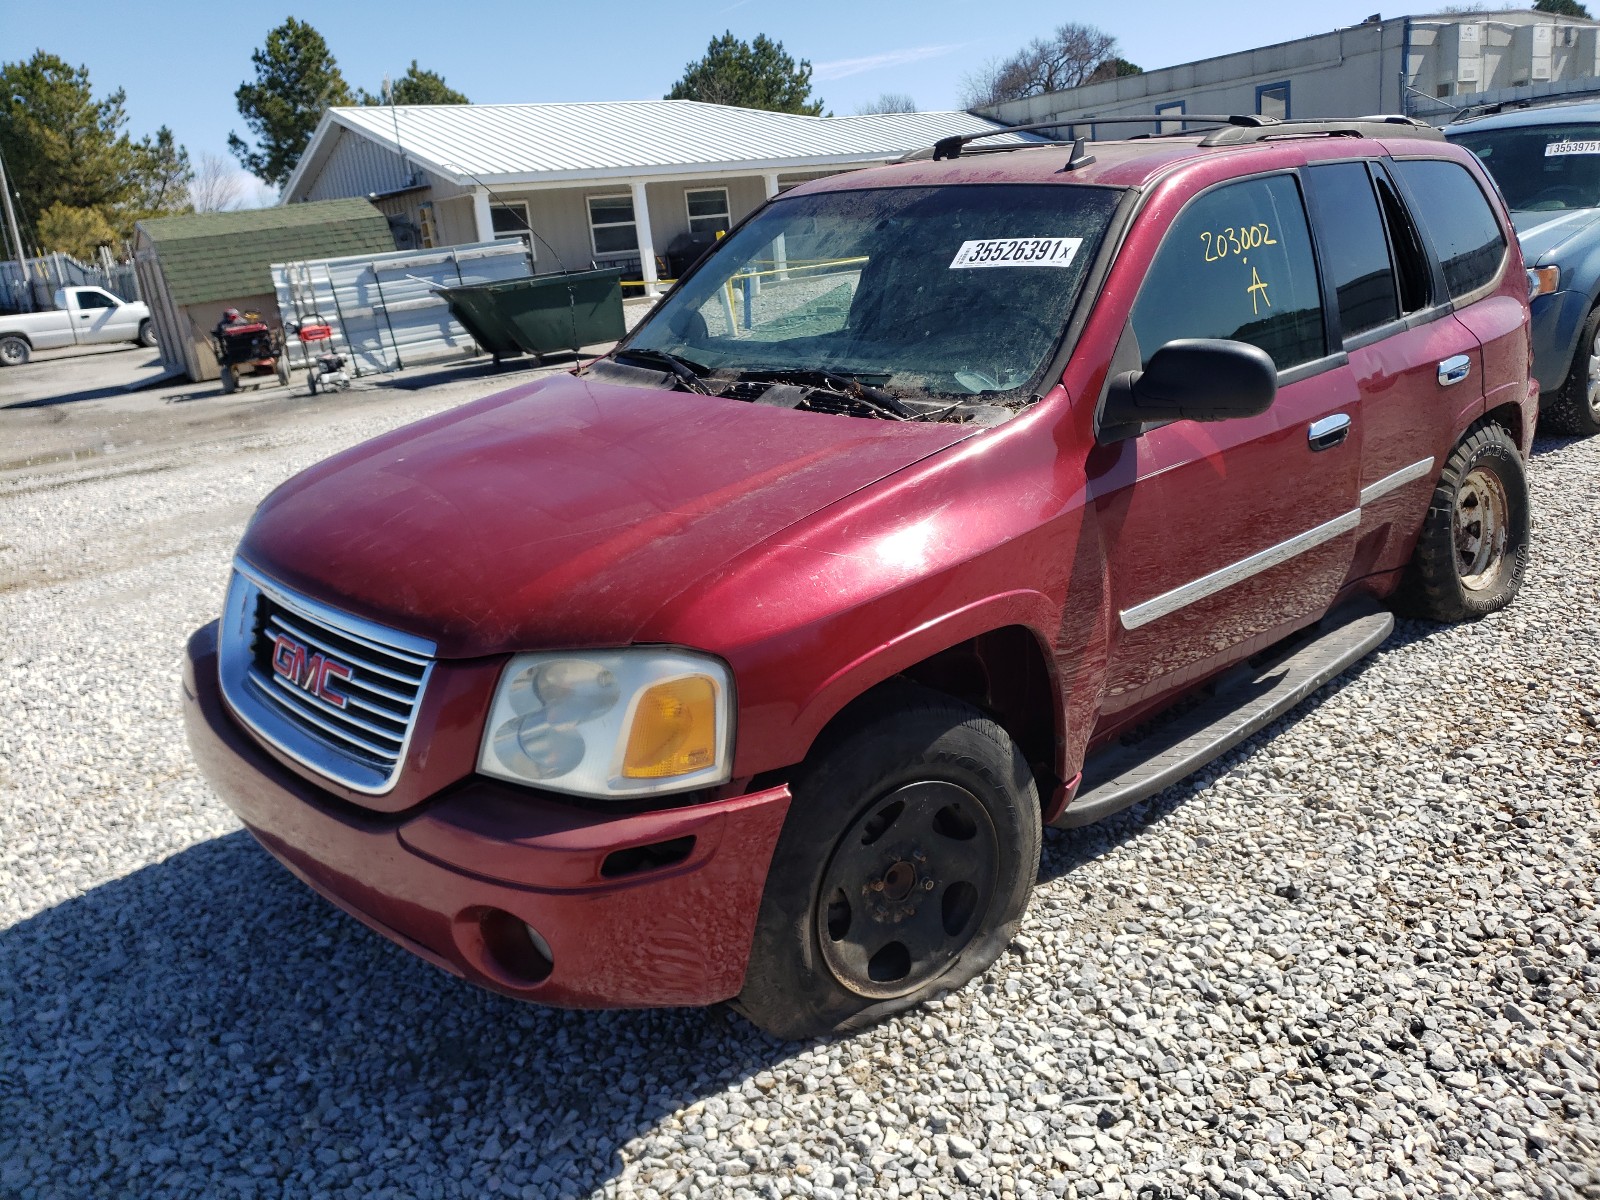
x: 1237, y: 263
x: 1457, y: 218
x: 89, y: 299
x: 1410, y: 259
x: 1355, y: 250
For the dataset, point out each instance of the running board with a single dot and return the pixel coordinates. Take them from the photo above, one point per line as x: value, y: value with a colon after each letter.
x: 1245, y: 700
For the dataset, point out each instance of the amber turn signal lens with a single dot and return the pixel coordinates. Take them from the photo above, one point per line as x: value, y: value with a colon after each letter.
x: 674, y: 730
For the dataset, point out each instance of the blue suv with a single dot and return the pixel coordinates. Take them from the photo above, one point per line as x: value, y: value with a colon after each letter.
x: 1546, y: 160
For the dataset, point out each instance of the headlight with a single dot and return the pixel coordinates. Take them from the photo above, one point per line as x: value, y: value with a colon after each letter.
x: 611, y: 723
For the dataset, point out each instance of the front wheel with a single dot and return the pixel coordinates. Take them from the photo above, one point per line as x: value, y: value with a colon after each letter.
x: 1575, y: 409
x: 147, y: 334
x: 903, y: 869
x: 1473, y: 549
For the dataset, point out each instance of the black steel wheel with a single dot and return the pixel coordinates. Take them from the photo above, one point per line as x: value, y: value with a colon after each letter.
x: 903, y: 869
x: 905, y: 884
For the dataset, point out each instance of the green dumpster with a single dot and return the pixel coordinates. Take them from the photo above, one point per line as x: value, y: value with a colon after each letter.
x: 539, y: 314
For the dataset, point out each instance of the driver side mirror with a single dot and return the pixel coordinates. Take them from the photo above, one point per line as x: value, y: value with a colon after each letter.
x: 1190, y: 379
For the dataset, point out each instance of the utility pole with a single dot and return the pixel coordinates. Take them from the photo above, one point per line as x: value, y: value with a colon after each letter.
x: 11, y: 215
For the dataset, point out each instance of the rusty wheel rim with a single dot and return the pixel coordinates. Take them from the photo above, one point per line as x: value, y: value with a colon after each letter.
x: 906, y: 889
x: 1481, y: 529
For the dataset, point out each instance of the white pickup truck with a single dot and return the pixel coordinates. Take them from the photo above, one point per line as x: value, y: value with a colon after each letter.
x: 83, y: 316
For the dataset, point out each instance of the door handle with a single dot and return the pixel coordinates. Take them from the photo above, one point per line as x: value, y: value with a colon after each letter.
x: 1328, y: 432
x: 1454, y: 369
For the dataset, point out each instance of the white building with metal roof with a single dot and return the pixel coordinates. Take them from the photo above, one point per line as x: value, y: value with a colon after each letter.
x: 643, y: 182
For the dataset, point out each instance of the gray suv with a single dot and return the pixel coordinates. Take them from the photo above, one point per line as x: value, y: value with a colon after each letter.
x: 1546, y: 161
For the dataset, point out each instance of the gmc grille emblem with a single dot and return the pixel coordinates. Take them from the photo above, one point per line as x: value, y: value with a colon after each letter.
x: 307, y: 670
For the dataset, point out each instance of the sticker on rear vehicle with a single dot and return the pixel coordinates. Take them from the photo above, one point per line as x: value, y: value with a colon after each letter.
x: 1552, y: 149
x: 1017, y: 252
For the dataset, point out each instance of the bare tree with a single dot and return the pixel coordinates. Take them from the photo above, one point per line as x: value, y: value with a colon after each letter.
x: 216, y: 186
x: 1066, y: 59
x: 887, y: 102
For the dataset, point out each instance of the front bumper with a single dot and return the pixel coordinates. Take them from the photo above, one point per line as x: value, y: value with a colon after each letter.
x: 455, y: 882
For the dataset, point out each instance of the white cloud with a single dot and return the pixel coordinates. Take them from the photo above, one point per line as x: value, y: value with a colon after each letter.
x: 844, y: 67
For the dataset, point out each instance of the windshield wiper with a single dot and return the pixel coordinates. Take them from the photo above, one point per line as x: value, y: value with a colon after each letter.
x: 834, y: 381
x: 686, y: 370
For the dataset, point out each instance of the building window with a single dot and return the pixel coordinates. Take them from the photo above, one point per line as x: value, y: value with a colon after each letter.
x: 1272, y: 100
x: 511, y: 221
x: 611, y: 225
x: 1175, y: 107
x: 708, y: 210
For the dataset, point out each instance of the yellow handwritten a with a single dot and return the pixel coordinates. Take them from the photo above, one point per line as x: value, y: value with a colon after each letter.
x: 1257, y: 286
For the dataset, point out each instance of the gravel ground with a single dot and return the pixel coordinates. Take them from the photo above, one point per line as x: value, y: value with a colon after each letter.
x: 1358, y: 957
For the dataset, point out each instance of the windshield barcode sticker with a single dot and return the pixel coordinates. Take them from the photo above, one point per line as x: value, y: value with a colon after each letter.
x: 1555, y: 148
x: 1017, y: 252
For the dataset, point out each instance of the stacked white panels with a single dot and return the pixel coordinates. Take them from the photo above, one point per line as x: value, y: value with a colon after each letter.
x: 383, y: 308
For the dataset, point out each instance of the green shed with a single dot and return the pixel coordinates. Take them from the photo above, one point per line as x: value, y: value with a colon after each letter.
x: 193, y: 267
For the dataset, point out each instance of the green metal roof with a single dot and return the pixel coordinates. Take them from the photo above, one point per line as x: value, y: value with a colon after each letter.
x: 218, y: 256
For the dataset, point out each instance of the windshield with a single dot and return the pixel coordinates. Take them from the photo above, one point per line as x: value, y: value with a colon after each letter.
x: 1541, y: 168
x: 949, y: 292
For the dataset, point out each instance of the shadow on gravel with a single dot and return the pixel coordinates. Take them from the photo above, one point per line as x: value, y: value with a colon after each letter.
x: 1549, y: 443
x: 209, y: 1026
x: 1067, y: 849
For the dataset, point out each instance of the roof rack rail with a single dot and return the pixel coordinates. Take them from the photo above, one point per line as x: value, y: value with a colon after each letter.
x: 1474, y: 112
x: 1236, y: 129
x: 952, y: 147
x: 1381, y: 126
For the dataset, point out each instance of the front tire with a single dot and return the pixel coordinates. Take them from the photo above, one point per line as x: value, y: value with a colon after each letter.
x: 1575, y: 409
x: 147, y: 335
x: 1473, y: 549
x: 903, y: 869
x: 14, y: 351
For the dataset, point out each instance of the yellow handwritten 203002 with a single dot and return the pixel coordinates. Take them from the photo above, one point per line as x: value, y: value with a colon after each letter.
x: 1236, y: 241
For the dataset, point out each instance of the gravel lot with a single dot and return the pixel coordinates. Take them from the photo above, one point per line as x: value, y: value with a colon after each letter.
x: 1358, y: 957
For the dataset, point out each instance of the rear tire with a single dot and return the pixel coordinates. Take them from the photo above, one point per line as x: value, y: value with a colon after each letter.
x: 1473, y: 549
x: 1575, y: 409
x: 147, y: 334
x: 230, y: 381
x: 14, y: 351
x: 903, y: 869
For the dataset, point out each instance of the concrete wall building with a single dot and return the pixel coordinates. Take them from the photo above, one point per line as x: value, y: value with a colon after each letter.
x: 1426, y: 66
x: 616, y: 183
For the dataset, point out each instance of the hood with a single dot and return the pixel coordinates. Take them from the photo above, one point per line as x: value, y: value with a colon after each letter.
x: 563, y: 513
x: 1546, y: 236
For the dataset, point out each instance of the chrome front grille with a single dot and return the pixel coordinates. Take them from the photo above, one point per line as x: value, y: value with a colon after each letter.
x: 333, y: 691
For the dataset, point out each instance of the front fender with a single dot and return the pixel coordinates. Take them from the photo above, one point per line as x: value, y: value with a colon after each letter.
x: 1557, y: 320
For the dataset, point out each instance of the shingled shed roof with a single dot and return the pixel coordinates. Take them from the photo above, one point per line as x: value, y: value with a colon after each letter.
x: 217, y: 256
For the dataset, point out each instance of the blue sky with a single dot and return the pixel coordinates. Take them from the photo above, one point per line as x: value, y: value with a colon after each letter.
x: 180, y: 62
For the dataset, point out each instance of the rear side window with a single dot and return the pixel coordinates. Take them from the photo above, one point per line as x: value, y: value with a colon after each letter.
x: 1456, y: 217
x: 1355, y: 251
x: 1237, y: 263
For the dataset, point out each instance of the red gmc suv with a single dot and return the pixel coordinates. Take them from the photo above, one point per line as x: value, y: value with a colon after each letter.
x: 747, y: 662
